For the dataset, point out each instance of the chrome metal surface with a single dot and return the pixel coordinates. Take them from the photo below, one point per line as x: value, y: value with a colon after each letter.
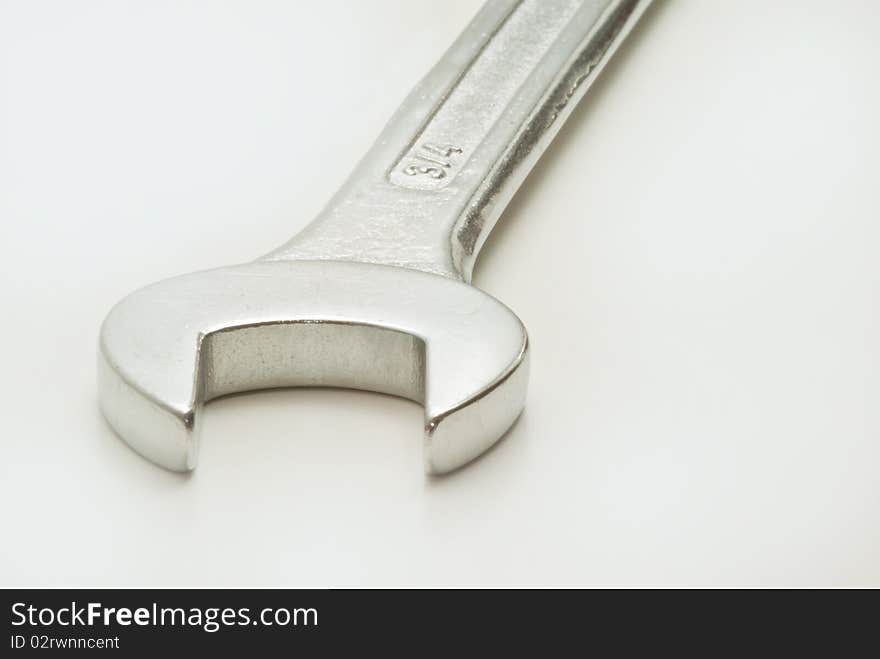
x: 373, y: 293
x: 430, y: 190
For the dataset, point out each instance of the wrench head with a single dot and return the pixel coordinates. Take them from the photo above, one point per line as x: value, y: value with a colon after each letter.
x: 167, y: 349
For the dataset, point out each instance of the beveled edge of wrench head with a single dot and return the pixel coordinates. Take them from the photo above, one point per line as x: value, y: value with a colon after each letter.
x: 168, y: 348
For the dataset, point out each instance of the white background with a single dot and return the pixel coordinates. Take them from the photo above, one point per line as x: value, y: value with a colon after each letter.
x: 695, y: 259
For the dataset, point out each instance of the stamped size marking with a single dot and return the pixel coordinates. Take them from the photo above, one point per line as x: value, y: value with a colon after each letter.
x: 470, y: 116
x: 431, y: 160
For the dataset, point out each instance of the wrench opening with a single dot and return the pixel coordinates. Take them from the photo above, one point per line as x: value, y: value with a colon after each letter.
x: 312, y: 354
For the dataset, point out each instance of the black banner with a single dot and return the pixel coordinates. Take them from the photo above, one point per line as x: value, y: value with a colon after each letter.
x: 140, y: 621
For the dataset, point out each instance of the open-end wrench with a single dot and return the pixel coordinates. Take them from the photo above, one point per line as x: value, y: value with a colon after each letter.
x: 374, y: 293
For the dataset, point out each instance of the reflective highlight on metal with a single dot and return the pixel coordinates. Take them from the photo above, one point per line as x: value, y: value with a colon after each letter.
x: 374, y: 293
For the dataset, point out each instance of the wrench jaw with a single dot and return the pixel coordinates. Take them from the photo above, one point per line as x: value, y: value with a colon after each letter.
x: 456, y: 436
x: 164, y: 433
x: 169, y: 348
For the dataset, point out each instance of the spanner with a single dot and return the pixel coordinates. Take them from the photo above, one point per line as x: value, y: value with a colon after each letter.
x: 374, y: 293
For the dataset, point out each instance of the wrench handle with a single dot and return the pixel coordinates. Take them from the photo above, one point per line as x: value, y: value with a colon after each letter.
x: 431, y: 188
